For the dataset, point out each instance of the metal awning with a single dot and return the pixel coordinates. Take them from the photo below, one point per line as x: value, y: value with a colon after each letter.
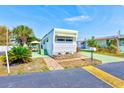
x: 66, y: 35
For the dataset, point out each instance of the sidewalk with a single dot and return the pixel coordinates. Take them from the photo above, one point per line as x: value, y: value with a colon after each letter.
x: 103, y: 58
x: 52, y: 64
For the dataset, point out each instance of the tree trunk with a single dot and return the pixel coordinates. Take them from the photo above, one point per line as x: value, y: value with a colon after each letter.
x: 23, y: 40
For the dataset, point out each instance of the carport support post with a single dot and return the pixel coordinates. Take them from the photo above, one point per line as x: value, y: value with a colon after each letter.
x: 7, y: 60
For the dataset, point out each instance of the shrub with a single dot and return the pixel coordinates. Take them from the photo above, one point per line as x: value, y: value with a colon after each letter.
x: 18, y: 55
x: 92, y: 42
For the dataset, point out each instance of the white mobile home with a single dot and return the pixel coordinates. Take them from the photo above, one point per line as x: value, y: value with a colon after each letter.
x: 60, y: 41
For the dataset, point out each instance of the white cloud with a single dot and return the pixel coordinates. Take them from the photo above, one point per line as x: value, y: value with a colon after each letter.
x: 78, y: 18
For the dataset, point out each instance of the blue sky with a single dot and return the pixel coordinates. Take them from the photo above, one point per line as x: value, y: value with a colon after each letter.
x: 90, y: 21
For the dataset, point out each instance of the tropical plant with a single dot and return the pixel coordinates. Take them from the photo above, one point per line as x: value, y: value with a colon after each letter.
x: 113, y: 46
x: 92, y: 42
x: 22, y: 33
x: 18, y: 55
x: 109, y: 43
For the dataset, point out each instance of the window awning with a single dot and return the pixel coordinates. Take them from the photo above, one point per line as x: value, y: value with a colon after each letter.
x: 66, y: 35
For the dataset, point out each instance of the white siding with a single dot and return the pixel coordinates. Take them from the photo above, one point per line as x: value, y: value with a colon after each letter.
x: 64, y: 47
x: 48, y: 45
x: 102, y: 43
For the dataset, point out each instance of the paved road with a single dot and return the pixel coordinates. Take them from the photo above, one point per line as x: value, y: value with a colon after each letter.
x: 116, y: 69
x: 71, y: 78
x: 104, y: 58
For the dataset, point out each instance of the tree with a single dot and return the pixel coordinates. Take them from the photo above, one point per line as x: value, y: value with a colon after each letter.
x: 3, y: 34
x: 3, y: 31
x: 22, y: 33
x: 92, y: 42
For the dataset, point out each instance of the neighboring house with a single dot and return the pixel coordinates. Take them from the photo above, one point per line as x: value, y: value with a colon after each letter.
x: 120, y: 41
x: 60, y: 41
x: 82, y: 44
x: 103, y: 42
x: 11, y: 43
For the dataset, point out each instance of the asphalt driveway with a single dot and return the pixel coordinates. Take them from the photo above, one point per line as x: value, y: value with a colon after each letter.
x: 115, y: 68
x: 70, y: 78
x: 2, y: 53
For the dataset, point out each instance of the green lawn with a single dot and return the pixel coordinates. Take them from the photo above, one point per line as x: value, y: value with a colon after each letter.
x: 104, y: 58
x: 109, y: 54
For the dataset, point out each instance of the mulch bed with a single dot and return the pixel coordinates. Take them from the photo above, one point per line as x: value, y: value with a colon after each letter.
x: 79, y: 63
x: 67, y: 56
x: 72, y: 63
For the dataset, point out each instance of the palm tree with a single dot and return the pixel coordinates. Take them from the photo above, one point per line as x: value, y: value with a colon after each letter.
x: 22, y: 33
x: 92, y: 42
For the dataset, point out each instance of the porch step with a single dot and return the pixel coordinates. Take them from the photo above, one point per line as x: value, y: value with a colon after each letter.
x: 52, y: 64
x: 106, y: 77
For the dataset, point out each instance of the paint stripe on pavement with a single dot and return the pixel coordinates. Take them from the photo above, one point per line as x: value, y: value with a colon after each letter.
x: 106, y: 77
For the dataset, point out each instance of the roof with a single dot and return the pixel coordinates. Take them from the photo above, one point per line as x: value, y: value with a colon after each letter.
x: 106, y: 38
x: 61, y: 30
x: 110, y: 37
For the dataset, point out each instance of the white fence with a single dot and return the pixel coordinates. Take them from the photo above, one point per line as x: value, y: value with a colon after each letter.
x: 3, y: 48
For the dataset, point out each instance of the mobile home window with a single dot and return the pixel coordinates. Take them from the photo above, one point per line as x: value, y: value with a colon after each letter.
x: 60, y: 39
x: 69, y: 39
x: 47, y: 40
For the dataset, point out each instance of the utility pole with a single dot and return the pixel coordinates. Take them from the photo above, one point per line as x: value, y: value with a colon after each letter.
x: 7, y: 60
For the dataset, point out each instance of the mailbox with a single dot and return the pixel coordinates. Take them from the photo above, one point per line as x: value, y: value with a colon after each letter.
x: 92, y: 49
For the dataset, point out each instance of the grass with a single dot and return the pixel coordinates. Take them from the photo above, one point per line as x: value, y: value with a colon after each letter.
x: 109, y: 54
x: 37, y: 65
